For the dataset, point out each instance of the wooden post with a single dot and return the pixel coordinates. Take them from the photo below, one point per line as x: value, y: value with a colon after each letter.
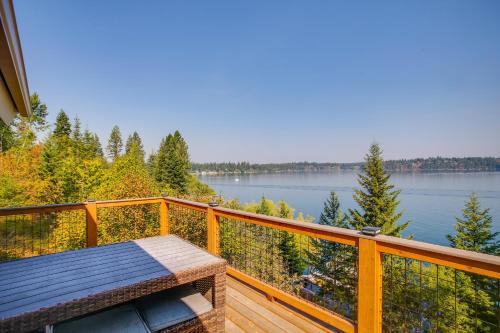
x: 164, y: 206
x: 91, y: 213
x: 369, y: 287
x: 213, y: 232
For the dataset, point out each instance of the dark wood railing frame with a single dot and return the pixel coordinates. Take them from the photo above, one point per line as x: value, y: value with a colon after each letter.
x: 370, y: 251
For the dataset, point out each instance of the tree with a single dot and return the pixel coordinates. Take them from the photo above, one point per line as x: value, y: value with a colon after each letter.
x: 22, y: 132
x: 334, y: 264
x: 91, y: 146
x: 6, y: 136
x: 134, y: 139
x: 377, y: 198
x: 62, y: 125
x: 288, y: 244
x: 473, y: 233
x: 473, y: 230
x: 171, y: 164
x: 115, y: 143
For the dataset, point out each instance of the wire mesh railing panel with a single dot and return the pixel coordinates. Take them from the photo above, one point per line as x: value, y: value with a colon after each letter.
x: 121, y: 224
x: 35, y: 234
x: 188, y: 224
x: 318, y: 271
x: 424, y: 297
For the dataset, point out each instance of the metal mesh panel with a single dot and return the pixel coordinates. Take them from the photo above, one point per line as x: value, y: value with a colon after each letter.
x: 322, y: 272
x: 29, y: 235
x: 120, y: 224
x: 423, y: 297
x: 189, y: 224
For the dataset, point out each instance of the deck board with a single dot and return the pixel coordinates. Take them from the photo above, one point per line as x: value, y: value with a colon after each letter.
x: 247, y: 310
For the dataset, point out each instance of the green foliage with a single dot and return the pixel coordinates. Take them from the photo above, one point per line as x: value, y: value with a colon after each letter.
x: 62, y: 125
x: 332, y: 264
x: 6, y: 136
x: 171, y: 163
x: 473, y: 230
x: 115, y: 143
x: 377, y: 198
x: 134, y: 140
x: 127, y: 177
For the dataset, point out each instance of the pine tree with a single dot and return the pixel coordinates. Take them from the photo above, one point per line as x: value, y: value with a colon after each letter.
x: 134, y: 139
x: 377, y: 198
x: 288, y: 244
x: 333, y: 264
x: 76, y: 136
x: 473, y: 230
x: 473, y: 233
x: 62, y: 125
x: 91, y: 146
x: 171, y: 164
x: 115, y: 143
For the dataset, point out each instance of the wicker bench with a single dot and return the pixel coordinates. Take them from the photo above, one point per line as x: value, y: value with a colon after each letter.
x: 46, y: 290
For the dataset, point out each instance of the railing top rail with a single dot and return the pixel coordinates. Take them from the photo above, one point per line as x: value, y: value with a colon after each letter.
x: 341, y: 235
x: 40, y: 209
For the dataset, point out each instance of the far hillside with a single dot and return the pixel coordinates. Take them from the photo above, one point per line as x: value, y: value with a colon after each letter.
x: 443, y: 164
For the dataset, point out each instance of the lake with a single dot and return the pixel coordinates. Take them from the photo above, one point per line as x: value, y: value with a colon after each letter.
x: 430, y: 200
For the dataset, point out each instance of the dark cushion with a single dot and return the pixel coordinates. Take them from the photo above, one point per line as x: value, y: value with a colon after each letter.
x: 124, y: 318
x: 171, y: 307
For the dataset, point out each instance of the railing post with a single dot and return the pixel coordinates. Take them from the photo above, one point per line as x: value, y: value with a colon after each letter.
x: 369, y: 287
x: 164, y: 206
x: 91, y: 213
x: 212, y: 232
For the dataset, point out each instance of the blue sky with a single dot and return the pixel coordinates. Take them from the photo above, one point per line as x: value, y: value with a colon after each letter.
x: 274, y: 81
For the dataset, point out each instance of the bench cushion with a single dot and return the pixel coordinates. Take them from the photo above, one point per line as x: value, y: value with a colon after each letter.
x: 171, y: 307
x: 123, y: 318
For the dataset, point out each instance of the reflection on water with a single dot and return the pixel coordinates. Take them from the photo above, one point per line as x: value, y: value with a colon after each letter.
x: 429, y: 200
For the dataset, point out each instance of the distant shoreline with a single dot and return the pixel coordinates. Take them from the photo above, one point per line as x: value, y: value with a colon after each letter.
x: 433, y: 164
x: 219, y: 173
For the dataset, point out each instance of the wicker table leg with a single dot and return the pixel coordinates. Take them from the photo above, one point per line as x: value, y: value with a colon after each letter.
x: 219, y: 300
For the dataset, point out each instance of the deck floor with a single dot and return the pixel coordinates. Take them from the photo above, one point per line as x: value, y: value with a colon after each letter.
x: 248, y: 310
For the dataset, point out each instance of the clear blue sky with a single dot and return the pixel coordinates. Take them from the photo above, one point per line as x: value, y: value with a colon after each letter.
x: 274, y: 81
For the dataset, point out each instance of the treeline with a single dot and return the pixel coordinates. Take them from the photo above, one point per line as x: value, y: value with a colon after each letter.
x: 71, y: 165
x: 419, y: 164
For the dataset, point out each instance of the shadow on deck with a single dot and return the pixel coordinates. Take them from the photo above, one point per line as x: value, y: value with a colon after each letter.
x: 248, y: 310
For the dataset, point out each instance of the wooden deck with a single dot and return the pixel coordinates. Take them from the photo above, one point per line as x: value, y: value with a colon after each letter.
x: 248, y: 310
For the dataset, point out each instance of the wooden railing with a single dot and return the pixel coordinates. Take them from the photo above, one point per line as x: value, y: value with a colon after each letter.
x: 370, y: 252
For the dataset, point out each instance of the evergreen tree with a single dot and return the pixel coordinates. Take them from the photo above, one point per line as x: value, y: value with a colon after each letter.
x: 6, y: 136
x: 473, y: 233
x: 76, y: 137
x: 473, y: 230
x: 171, y: 164
x: 62, y: 125
x: 288, y: 244
x: 134, y: 139
x: 265, y: 207
x: 91, y: 146
x: 115, y: 143
x: 333, y: 264
x: 377, y: 198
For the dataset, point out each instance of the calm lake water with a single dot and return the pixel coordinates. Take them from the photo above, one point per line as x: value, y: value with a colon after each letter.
x: 430, y: 200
